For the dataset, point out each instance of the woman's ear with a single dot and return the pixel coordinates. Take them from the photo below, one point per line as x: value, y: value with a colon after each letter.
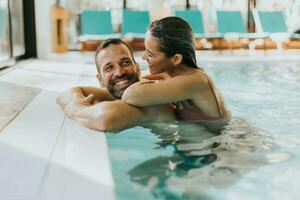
x: 176, y: 59
x: 138, y: 69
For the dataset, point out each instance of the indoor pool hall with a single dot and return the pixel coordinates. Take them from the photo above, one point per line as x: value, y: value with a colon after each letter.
x: 152, y: 100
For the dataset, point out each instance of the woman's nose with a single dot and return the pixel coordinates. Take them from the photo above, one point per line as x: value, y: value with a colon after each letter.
x: 145, y: 57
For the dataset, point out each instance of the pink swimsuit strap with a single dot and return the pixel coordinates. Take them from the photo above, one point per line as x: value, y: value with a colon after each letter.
x: 192, y: 114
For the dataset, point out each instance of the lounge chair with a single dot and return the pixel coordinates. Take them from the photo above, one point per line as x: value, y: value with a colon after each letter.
x: 194, y: 18
x: 96, y: 26
x: 233, y: 30
x: 273, y: 24
x: 270, y: 22
x: 134, y: 27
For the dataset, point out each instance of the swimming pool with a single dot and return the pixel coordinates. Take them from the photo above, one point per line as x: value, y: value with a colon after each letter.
x: 255, y: 157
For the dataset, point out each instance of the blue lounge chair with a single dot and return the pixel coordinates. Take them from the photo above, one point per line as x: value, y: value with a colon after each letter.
x: 135, y: 23
x: 96, y: 25
x: 229, y: 22
x: 231, y: 26
x: 194, y: 18
x: 271, y: 22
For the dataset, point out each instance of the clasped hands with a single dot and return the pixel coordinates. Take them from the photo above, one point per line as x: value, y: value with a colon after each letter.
x: 70, y: 102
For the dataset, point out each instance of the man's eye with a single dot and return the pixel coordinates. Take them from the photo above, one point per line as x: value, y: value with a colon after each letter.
x: 108, y: 68
x: 125, y: 62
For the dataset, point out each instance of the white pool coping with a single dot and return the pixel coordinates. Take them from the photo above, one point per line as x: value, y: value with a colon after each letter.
x: 44, y: 155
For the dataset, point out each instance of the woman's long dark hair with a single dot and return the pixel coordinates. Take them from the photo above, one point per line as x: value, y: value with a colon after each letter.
x: 175, y: 37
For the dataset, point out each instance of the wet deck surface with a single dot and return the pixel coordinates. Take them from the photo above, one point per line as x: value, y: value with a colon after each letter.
x: 13, y: 99
x: 43, y: 154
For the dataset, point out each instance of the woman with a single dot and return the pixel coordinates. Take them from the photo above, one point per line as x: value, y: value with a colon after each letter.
x: 175, y: 76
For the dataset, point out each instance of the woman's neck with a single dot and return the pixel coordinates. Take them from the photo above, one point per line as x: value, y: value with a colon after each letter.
x: 181, y: 69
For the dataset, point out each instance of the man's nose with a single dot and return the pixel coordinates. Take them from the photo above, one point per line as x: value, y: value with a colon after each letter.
x: 119, y: 71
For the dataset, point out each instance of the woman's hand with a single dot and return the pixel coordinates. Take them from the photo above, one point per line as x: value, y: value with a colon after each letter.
x: 161, y: 76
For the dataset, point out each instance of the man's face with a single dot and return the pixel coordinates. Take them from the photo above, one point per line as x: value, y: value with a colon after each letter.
x: 117, y: 69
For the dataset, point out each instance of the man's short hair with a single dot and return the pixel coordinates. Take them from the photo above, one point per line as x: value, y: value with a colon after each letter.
x: 106, y: 43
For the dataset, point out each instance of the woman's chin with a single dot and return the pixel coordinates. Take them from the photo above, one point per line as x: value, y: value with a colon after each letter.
x: 152, y: 71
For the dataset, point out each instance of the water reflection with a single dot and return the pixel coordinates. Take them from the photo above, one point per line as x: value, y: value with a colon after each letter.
x: 202, y: 160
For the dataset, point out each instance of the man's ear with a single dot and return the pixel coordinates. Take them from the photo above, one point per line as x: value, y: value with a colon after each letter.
x: 176, y: 59
x: 100, y: 80
x: 98, y: 77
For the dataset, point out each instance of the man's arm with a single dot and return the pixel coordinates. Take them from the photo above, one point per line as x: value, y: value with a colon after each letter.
x: 114, y: 115
x: 100, y: 94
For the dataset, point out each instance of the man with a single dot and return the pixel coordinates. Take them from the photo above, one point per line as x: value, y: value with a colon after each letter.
x: 101, y: 108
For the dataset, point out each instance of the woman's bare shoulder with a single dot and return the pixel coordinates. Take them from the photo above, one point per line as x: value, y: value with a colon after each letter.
x: 196, y: 77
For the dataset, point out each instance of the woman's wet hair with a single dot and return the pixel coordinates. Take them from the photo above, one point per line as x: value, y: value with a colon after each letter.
x: 175, y: 37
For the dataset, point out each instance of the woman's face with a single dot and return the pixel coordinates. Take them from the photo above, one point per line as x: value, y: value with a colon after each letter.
x: 157, y: 60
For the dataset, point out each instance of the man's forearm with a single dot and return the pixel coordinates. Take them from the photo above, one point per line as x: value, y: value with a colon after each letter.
x: 100, y: 94
x: 89, y: 116
x: 107, y: 116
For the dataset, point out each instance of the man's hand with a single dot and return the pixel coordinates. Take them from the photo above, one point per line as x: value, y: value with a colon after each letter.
x: 78, y: 102
x: 66, y: 97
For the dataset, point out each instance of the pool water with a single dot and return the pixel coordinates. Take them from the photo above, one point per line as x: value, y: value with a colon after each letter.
x: 255, y: 157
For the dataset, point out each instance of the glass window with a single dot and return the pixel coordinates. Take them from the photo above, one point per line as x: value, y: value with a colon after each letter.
x: 16, y: 8
x: 4, y: 31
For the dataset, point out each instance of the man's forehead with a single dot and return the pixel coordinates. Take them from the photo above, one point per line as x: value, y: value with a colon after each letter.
x: 113, y: 53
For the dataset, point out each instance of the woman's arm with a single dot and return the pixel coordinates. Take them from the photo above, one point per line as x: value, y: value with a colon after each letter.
x: 171, y: 90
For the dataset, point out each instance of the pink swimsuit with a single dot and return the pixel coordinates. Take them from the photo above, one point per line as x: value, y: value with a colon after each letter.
x: 192, y: 114
x: 195, y: 114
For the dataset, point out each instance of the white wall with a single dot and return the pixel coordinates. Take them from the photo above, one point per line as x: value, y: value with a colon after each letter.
x: 43, y: 27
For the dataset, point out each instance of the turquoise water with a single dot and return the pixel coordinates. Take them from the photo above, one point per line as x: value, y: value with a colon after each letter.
x: 255, y: 157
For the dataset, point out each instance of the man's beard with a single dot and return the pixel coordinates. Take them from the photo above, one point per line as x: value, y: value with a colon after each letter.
x: 116, y: 89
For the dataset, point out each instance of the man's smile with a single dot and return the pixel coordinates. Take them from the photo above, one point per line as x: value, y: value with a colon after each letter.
x: 122, y: 82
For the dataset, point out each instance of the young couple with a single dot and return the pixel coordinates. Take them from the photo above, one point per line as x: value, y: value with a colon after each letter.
x: 176, y: 89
